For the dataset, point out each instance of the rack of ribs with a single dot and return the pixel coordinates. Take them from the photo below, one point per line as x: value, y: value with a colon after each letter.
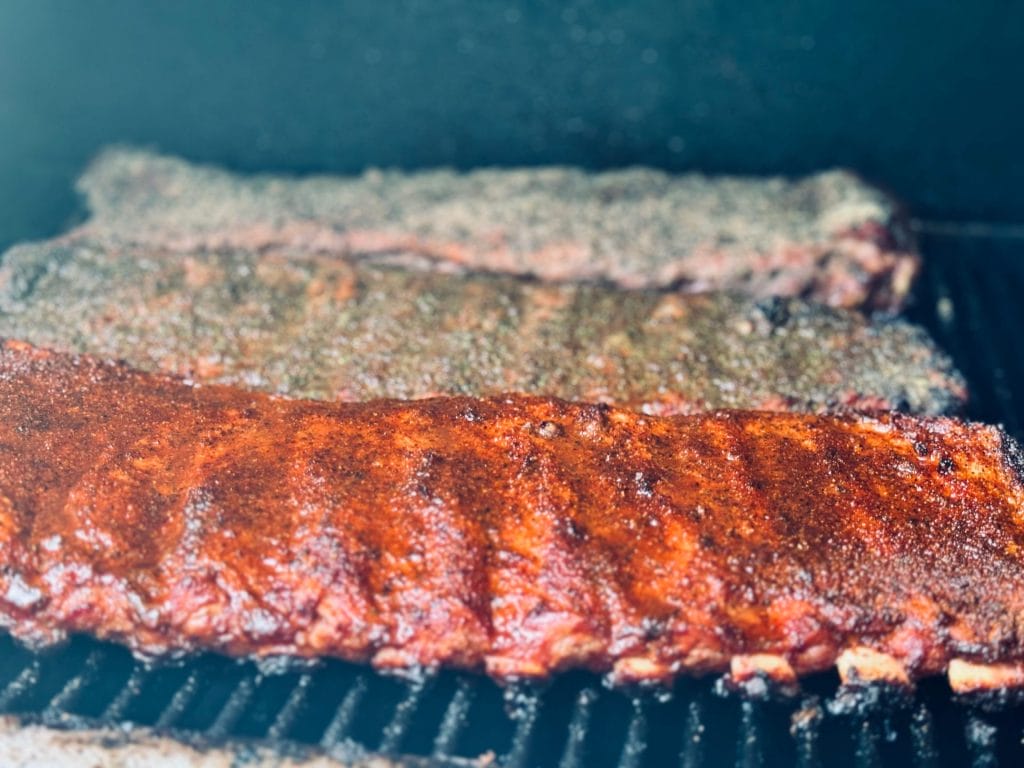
x: 328, y: 328
x: 828, y: 237
x: 514, y: 535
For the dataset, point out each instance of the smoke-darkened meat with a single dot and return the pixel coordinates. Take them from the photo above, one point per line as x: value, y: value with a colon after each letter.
x: 329, y: 329
x: 829, y: 237
x: 516, y: 535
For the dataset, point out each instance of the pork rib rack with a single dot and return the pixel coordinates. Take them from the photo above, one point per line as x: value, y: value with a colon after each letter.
x: 514, y: 535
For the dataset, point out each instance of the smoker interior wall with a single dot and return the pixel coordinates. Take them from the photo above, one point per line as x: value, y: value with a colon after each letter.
x: 924, y: 97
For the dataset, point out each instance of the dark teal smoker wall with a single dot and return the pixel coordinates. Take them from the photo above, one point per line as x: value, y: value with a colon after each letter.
x: 924, y: 97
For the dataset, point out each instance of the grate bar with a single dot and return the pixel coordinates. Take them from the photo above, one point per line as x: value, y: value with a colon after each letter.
x: 977, y: 326
x: 636, y: 738
x: 805, y: 725
x: 395, y: 730
x: 67, y: 695
x: 948, y: 310
x: 965, y: 229
x: 454, y: 720
x: 179, y: 701
x: 287, y: 714
x: 866, y: 749
x: 27, y: 678
x: 345, y: 713
x: 233, y: 707
x: 923, y: 739
x: 572, y: 757
x: 133, y: 685
x: 981, y: 739
x: 1002, y: 305
x: 748, y: 754
x: 945, y: 307
x: 692, y: 754
x: 527, y: 706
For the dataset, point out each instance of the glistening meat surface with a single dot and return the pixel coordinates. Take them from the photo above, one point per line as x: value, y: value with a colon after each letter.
x: 515, y: 535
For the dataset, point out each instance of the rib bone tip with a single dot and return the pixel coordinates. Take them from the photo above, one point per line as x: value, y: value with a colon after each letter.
x: 970, y: 677
x: 861, y: 664
x: 761, y: 675
x: 772, y: 666
x: 633, y: 670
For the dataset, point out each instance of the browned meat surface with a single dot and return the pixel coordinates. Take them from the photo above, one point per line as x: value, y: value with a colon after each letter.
x: 827, y: 237
x: 515, y: 535
x: 329, y: 329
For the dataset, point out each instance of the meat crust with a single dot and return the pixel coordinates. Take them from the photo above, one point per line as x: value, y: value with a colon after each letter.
x: 326, y: 328
x: 515, y: 535
x: 829, y: 237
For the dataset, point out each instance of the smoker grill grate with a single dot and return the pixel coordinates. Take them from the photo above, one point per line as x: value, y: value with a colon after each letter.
x: 966, y: 299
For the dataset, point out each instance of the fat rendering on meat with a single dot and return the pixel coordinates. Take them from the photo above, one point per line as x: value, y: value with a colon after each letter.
x: 513, y: 535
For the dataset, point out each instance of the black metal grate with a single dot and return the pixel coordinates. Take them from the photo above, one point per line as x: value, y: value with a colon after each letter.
x: 968, y: 298
x: 573, y: 722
